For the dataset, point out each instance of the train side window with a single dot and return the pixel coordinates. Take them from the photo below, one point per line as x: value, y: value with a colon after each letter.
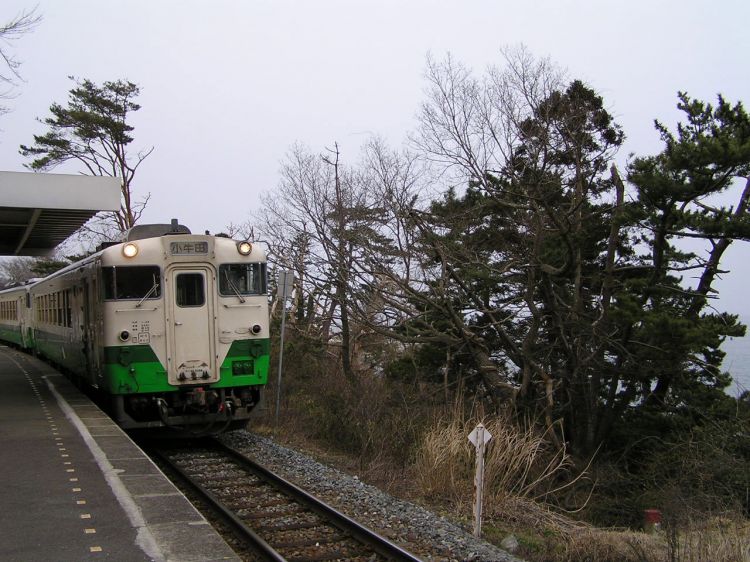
x: 242, y: 278
x: 68, y: 308
x: 190, y: 289
x: 59, y: 308
x: 131, y: 282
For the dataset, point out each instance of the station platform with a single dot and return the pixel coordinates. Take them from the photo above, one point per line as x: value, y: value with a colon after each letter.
x: 75, y: 487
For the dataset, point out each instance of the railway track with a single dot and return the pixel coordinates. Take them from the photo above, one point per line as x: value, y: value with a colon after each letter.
x: 279, y: 520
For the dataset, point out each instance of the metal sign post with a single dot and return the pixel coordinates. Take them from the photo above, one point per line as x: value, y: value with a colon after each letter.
x: 284, y: 290
x: 479, y: 437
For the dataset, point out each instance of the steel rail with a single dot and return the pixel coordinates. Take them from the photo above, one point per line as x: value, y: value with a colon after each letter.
x: 243, y: 531
x: 378, y: 543
x: 368, y: 538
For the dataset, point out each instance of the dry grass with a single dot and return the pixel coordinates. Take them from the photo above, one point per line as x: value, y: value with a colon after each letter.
x: 551, y: 537
x: 518, y: 464
x: 718, y: 539
x: 601, y: 545
x: 524, y: 471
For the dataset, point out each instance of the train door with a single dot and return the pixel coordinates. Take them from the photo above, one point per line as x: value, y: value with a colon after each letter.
x: 89, y: 330
x: 191, y: 356
x: 23, y: 305
x: 86, y: 328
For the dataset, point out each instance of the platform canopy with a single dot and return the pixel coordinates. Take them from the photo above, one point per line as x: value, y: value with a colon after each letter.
x: 39, y: 211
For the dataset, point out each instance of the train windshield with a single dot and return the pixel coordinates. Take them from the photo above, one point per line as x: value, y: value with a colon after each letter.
x: 131, y: 282
x: 242, y: 279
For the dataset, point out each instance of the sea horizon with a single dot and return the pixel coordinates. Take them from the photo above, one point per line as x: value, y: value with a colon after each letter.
x: 737, y: 363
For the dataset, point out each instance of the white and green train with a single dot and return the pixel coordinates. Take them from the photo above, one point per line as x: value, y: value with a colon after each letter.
x: 169, y: 328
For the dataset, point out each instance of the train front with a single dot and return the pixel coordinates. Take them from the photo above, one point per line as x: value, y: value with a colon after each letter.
x: 185, y: 329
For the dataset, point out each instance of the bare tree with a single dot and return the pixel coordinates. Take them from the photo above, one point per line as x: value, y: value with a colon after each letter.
x: 314, y: 223
x: 16, y: 270
x: 13, y: 30
x: 242, y: 231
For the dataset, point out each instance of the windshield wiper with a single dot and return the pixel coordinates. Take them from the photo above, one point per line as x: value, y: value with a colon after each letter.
x: 150, y: 291
x: 232, y: 286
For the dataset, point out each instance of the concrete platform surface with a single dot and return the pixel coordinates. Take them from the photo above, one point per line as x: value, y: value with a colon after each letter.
x: 77, y: 488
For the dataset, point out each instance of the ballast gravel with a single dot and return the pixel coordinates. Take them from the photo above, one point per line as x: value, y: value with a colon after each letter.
x: 417, y: 530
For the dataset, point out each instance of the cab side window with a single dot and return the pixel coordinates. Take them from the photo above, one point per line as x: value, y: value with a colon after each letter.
x: 131, y: 282
x: 242, y: 278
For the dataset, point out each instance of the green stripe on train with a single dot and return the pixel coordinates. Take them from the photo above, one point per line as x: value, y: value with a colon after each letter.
x: 11, y: 334
x: 57, y: 348
x: 255, y: 353
x: 135, y: 369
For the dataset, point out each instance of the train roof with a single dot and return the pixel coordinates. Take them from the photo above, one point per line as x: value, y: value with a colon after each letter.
x: 139, y: 235
x: 143, y: 231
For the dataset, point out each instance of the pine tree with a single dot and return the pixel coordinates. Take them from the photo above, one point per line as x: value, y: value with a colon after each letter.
x: 93, y: 131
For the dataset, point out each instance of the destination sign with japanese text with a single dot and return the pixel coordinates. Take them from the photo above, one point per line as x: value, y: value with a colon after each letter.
x: 186, y: 248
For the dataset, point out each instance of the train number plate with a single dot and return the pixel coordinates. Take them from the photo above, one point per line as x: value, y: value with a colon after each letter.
x: 185, y: 248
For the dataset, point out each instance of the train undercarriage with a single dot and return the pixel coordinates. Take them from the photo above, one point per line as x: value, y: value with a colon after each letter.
x: 195, y: 410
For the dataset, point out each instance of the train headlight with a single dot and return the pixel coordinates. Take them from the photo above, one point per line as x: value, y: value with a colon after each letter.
x: 130, y: 250
x: 124, y: 335
x: 244, y: 248
x: 256, y: 329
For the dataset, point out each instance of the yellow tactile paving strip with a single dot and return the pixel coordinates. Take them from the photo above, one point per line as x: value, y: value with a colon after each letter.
x: 68, y: 465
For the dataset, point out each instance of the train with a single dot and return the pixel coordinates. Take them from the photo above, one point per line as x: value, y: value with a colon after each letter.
x: 168, y: 329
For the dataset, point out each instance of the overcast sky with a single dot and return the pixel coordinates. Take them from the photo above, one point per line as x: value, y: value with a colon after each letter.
x: 228, y: 86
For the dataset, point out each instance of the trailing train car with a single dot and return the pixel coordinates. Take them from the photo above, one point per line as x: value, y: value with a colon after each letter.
x: 14, y: 325
x: 170, y: 328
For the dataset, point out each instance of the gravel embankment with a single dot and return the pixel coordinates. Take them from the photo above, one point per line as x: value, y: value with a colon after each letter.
x: 415, y: 529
